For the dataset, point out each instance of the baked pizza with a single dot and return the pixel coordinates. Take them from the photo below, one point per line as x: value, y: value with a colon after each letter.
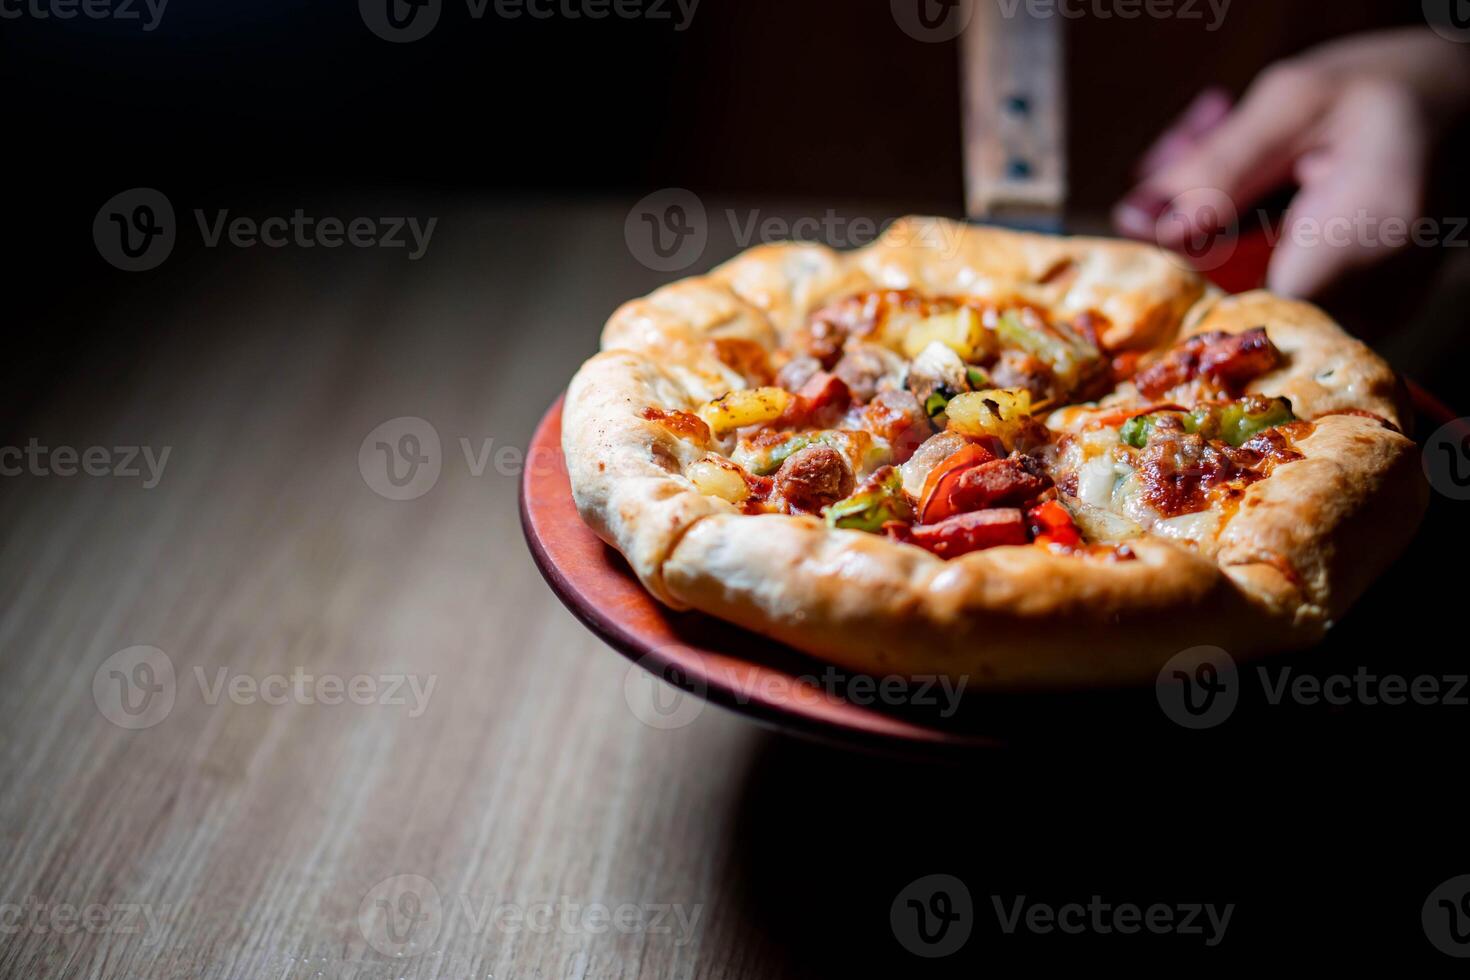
x: 1031, y: 460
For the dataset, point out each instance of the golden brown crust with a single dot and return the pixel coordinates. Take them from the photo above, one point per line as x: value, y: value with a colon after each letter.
x: 1143, y: 292
x: 627, y: 471
x: 1009, y: 618
x: 768, y: 292
x: 1329, y: 523
x: 1303, y: 545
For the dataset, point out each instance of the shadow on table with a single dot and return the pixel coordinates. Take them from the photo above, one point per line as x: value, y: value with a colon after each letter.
x: 1324, y: 825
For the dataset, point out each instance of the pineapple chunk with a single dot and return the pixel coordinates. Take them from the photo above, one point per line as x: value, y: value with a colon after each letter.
x: 995, y: 412
x: 719, y: 478
x: 737, y: 409
x: 961, y: 331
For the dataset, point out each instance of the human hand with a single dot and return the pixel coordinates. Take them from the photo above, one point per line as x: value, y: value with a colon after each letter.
x: 1353, y: 124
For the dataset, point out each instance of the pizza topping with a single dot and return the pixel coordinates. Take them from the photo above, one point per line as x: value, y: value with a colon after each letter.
x: 821, y: 401
x: 899, y: 419
x: 746, y: 357
x: 1095, y: 480
x: 1071, y: 359
x: 1240, y: 421
x: 797, y: 371
x: 1007, y: 482
x: 813, y: 478
x: 929, y: 455
x: 718, y: 477
x: 869, y: 369
x: 1229, y: 360
x: 1201, y: 525
x: 745, y: 407
x: 1052, y: 524
x: 875, y: 374
x: 1178, y: 471
x: 965, y: 533
x: 997, y: 413
x: 936, y: 376
x: 1233, y: 423
x: 881, y: 500
x: 1236, y: 360
x: 936, y: 503
x: 885, y: 313
x: 682, y: 424
x: 1102, y: 525
x: 1019, y: 370
x: 1273, y: 447
x: 765, y: 451
x: 961, y: 331
x: 1111, y: 420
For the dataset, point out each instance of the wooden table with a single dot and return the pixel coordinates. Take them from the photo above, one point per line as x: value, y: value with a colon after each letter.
x: 563, y: 836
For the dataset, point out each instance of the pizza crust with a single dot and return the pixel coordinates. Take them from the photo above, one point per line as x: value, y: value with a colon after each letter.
x: 1007, y: 618
x: 767, y: 293
x: 1144, y: 292
x: 1325, y: 370
x: 1303, y: 545
x: 627, y: 472
x: 1330, y: 522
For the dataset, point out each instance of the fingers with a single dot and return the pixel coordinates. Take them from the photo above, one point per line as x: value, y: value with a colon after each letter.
x: 1361, y: 193
x: 1207, y: 111
x: 1248, y: 154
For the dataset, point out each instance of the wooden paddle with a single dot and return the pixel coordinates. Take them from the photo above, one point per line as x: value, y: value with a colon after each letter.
x: 1015, y: 117
x: 1014, y: 73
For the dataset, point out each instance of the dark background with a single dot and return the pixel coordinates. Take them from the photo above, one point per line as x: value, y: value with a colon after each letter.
x: 765, y: 97
x: 770, y: 102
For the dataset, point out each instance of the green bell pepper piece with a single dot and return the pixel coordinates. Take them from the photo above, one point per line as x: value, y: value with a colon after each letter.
x: 869, y: 510
x: 1237, y: 424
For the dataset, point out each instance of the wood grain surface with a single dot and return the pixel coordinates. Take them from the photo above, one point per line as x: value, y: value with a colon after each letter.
x: 566, y: 831
x: 253, y: 832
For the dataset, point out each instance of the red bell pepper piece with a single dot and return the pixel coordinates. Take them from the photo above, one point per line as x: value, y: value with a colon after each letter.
x: 1118, y: 418
x: 934, y: 502
x: 964, y: 533
x: 820, y: 401
x: 1052, y: 524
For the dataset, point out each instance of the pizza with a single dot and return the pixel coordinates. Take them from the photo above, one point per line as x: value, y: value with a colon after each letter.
x: 1034, y: 461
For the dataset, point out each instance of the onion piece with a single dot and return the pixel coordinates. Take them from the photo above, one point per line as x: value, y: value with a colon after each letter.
x: 1201, y: 526
x: 934, y: 451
